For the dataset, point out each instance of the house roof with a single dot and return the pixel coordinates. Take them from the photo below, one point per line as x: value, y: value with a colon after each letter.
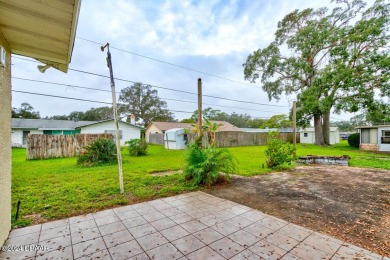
x: 47, y: 124
x: 44, y: 30
x: 311, y: 129
x: 98, y: 122
x: 164, y: 126
x: 373, y: 126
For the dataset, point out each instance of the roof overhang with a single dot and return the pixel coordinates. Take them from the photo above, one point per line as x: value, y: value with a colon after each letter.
x: 44, y: 30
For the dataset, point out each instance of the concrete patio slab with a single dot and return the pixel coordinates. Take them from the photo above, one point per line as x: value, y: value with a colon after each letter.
x: 194, y: 225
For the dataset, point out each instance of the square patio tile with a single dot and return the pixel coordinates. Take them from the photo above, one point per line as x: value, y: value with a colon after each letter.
x: 246, y: 255
x: 348, y: 252
x: 205, y: 253
x: 10, y: 255
x: 171, y: 212
x: 163, y: 206
x: 188, y: 244
x: 272, y: 223
x: 62, y: 253
x: 125, y: 250
x: 163, y: 224
x: 186, y: 208
x: 181, y: 218
x: 197, y: 213
x: 324, y: 243
x: 22, y: 240
x: 290, y: 256
x: 111, y: 228
x: 85, y: 235
x: 282, y: 241
x: 153, y: 216
x: 55, y: 243
x: 106, y: 220
x: 238, y: 210
x: 55, y: 224
x: 81, y: 218
x: 87, y: 224
x: 167, y: 251
x: 117, y: 238
x: 225, y: 228
x: 258, y: 230
x: 243, y: 238
x: 142, y: 230
x: 120, y: 210
x: 55, y: 232
x: 142, y: 256
x: 177, y: 203
x: 104, y: 213
x: 152, y: 241
x: 210, y: 220
x: 224, y: 215
x: 309, y: 252
x: 146, y: 210
x: 267, y: 250
x: 127, y: 214
x: 174, y: 233
x: 140, y: 205
x: 193, y: 226
x: 253, y: 215
x: 294, y: 232
x: 25, y: 231
x: 208, y: 235
x: 133, y: 222
x: 88, y: 247
x: 226, y: 247
x: 239, y: 222
x: 101, y: 255
x: 169, y: 199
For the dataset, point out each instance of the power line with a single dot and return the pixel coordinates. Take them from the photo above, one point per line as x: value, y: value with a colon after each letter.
x: 169, y: 63
x: 163, y: 98
x: 85, y: 100
x: 176, y: 90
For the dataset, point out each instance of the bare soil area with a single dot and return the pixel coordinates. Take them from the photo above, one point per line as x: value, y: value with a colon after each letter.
x: 351, y: 204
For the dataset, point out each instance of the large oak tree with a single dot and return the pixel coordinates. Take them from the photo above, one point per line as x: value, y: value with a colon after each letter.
x: 331, y: 60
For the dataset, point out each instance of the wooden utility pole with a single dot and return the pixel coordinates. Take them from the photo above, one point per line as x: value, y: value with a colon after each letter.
x: 294, y: 123
x: 200, y: 109
x: 115, y: 110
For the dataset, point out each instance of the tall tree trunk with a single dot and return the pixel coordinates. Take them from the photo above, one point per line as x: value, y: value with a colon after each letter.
x: 326, y: 127
x: 319, y: 136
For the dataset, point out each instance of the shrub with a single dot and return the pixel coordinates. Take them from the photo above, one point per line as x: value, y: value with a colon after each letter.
x: 277, y: 152
x: 354, y: 140
x: 100, y: 151
x: 137, y: 147
x: 204, y: 165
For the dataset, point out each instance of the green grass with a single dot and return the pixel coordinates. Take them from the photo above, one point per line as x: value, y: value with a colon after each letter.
x: 58, y: 188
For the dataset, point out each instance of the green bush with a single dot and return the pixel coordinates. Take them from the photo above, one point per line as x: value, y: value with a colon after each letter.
x: 354, y: 140
x: 204, y: 165
x: 100, y: 151
x: 137, y: 147
x: 277, y: 152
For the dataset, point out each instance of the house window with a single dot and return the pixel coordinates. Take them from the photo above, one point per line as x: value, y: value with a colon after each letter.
x: 113, y: 133
x: 385, y: 137
x: 305, y: 135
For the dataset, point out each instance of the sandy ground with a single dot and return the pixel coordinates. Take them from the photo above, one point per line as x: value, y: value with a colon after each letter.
x: 349, y: 203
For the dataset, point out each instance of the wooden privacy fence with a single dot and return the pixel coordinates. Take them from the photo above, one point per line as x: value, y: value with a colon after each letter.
x: 41, y: 146
x: 229, y: 139
x: 156, y: 138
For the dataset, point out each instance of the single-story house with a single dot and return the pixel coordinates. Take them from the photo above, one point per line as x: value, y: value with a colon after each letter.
x: 161, y: 127
x: 375, y: 138
x: 22, y: 127
x: 307, y: 135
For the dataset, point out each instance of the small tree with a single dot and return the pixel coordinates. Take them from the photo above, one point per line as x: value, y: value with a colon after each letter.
x: 277, y: 152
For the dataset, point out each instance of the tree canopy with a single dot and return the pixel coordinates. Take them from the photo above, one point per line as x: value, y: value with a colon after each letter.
x: 93, y: 114
x: 143, y: 102
x: 25, y: 111
x: 335, y: 60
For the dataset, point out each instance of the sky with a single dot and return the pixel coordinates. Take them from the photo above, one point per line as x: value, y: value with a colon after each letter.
x: 212, y: 37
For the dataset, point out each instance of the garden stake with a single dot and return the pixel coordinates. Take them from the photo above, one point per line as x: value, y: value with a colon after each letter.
x: 17, y: 210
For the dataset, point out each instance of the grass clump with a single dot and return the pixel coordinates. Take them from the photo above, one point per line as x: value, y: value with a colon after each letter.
x: 137, y: 147
x: 100, y: 151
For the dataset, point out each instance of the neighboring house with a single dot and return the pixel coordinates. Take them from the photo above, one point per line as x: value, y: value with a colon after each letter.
x: 375, y: 138
x: 127, y: 131
x: 22, y: 127
x: 161, y: 127
x: 42, y: 30
x: 307, y: 136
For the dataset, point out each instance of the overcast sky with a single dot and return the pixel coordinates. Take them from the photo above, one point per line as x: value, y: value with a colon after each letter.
x: 210, y: 36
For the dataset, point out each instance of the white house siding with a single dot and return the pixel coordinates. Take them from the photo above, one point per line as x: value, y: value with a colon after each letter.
x: 17, y: 136
x: 152, y: 129
x: 334, y: 136
x: 383, y: 147
x: 128, y: 131
x: 306, y: 140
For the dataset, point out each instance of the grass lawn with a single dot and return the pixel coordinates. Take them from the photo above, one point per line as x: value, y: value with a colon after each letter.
x: 58, y: 188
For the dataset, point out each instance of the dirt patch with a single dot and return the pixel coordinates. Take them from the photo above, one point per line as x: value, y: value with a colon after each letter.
x: 352, y: 204
x: 166, y: 173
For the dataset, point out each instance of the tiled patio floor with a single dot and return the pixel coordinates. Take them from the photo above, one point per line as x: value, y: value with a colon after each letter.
x: 188, y: 226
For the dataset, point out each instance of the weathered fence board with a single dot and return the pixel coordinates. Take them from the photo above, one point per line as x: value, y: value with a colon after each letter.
x: 229, y: 139
x: 156, y: 138
x: 41, y: 146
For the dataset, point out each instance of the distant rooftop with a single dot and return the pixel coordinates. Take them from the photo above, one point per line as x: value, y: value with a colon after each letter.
x: 48, y: 124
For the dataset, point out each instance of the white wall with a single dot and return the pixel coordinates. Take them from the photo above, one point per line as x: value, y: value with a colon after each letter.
x: 17, y: 136
x: 383, y: 147
x: 306, y: 140
x: 152, y: 129
x: 128, y: 131
x: 334, y: 137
